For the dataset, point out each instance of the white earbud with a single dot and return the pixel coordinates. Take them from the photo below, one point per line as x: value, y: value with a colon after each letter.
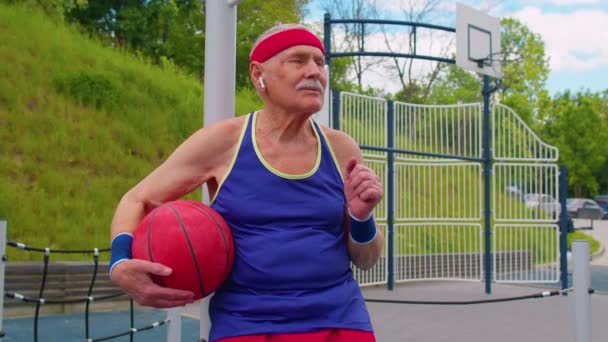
x: 262, y: 83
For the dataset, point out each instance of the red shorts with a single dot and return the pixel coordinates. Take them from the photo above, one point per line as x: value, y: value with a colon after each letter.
x: 329, y: 335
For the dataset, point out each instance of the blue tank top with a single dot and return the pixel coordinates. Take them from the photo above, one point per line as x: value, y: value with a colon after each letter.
x: 291, y: 270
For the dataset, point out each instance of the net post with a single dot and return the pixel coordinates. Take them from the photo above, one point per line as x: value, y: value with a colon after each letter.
x: 2, y: 262
x: 581, y: 283
x: 174, y: 324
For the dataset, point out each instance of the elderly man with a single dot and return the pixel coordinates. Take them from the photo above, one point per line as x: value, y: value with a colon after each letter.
x: 298, y: 199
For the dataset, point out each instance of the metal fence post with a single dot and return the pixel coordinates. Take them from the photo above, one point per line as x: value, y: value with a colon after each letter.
x: 563, y: 226
x: 390, y: 122
x: 335, y: 110
x: 327, y: 38
x: 487, y: 170
x: 582, y: 282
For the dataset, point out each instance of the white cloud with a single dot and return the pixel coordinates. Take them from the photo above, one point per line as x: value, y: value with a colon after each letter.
x: 574, y: 41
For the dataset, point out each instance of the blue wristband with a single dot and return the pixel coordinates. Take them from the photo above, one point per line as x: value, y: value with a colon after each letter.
x: 362, y: 231
x: 121, y: 249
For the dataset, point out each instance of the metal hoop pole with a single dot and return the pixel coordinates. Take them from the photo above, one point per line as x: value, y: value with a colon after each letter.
x: 220, y: 85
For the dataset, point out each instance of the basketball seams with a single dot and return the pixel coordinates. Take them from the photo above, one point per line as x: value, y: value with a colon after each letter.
x: 221, y: 231
x: 193, y: 255
x: 150, y: 255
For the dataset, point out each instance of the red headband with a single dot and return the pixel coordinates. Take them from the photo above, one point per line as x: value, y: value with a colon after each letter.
x: 284, y: 40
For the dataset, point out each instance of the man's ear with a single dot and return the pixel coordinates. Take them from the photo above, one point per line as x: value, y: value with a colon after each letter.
x: 255, y: 71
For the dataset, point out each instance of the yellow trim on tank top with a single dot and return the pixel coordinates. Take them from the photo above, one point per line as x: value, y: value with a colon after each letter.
x: 331, y: 150
x: 277, y: 172
x: 236, y: 152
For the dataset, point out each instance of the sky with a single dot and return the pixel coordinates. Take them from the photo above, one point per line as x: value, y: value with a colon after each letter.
x: 575, y: 33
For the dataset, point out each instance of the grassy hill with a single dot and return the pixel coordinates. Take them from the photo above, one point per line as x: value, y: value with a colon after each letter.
x: 81, y: 123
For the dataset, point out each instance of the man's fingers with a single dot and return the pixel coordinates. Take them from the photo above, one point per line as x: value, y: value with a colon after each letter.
x: 362, y: 175
x: 364, y: 186
x: 350, y: 167
x: 157, y: 296
x: 165, y: 303
x: 371, y: 195
x: 154, y: 268
x: 172, y: 294
x: 137, y: 283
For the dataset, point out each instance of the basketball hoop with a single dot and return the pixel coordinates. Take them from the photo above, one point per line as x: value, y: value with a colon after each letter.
x: 477, y: 41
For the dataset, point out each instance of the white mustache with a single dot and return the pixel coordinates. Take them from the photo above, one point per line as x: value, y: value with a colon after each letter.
x: 310, y: 85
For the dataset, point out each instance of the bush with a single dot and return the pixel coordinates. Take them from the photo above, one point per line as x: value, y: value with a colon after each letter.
x: 90, y: 88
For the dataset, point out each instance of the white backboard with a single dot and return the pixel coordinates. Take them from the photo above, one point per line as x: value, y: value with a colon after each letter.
x: 477, y: 41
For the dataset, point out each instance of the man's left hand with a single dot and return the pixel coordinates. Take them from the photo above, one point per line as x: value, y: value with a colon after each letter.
x: 363, y: 189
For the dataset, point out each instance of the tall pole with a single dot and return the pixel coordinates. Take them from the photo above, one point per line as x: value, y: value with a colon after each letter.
x: 220, y: 60
x: 581, y: 283
x: 487, y: 172
x: 220, y: 84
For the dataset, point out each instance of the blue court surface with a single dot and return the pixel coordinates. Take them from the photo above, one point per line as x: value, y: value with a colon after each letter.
x: 599, y: 279
x: 66, y: 328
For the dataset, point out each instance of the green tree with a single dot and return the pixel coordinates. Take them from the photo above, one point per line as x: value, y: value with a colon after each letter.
x: 525, y: 69
x: 577, y: 128
x: 456, y: 85
x: 158, y: 29
x: 175, y: 29
x: 339, y: 75
x: 600, y: 104
x: 53, y: 8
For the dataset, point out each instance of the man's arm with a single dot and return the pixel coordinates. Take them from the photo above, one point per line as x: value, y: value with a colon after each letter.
x: 363, y: 191
x: 192, y: 163
x: 203, y: 156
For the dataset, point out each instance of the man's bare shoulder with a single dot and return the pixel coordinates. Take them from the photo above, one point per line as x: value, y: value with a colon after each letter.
x: 221, y: 133
x: 341, y: 142
x: 344, y: 146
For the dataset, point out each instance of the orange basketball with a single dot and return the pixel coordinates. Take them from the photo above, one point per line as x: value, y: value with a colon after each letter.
x: 190, y: 238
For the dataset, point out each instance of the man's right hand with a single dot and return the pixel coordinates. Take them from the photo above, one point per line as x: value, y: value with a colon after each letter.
x: 133, y: 277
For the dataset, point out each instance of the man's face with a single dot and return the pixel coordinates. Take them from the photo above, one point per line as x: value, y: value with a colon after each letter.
x: 299, y: 78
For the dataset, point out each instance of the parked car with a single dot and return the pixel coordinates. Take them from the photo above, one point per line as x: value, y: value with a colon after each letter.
x: 513, y: 191
x: 542, y: 201
x: 602, y: 200
x: 584, y: 208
